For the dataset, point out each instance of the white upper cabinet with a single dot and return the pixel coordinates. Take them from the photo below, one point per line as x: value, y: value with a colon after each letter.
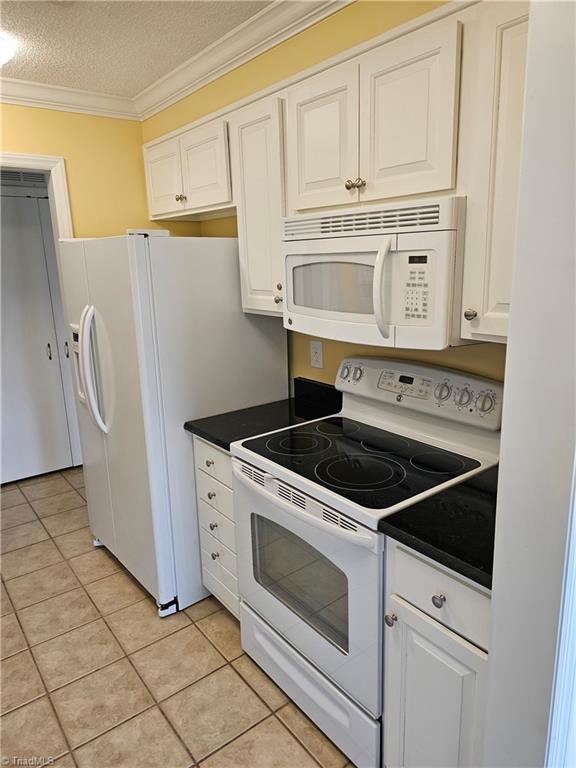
x: 322, y: 138
x: 408, y: 112
x: 189, y: 172
x: 257, y: 173
x: 205, y: 167
x: 164, y: 177
x: 380, y: 126
x: 434, y: 693
x: 493, y: 104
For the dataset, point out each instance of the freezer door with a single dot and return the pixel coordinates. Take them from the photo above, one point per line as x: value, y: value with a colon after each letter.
x: 76, y: 298
x: 116, y: 342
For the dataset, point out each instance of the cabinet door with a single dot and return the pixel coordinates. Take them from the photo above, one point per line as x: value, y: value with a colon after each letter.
x: 493, y: 82
x: 205, y: 167
x: 322, y: 138
x: 163, y: 177
x: 434, y: 693
x: 408, y: 113
x: 257, y: 174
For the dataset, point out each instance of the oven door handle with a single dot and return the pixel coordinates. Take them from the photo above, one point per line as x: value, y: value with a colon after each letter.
x: 364, y: 539
x: 379, y: 287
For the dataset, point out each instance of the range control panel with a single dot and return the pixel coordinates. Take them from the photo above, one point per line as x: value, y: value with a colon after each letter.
x: 439, y: 391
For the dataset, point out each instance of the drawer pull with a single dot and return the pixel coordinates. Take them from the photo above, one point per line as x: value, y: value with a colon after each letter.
x: 211, y: 495
x: 438, y: 600
x: 215, y: 555
x: 390, y: 619
x: 213, y: 526
x: 209, y: 463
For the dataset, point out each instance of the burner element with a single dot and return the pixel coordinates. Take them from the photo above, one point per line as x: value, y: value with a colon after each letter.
x: 359, y: 472
x: 386, y: 443
x: 337, y: 427
x: 298, y: 444
x: 437, y: 463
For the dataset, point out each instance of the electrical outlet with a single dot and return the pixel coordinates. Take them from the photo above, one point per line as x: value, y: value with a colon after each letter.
x: 316, y: 354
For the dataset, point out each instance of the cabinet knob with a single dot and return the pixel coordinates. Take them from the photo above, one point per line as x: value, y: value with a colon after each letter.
x: 359, y: 183
x: 278, y: 299
x: 178, y: 198
x: 349, y: 184
x: 213, y: 526
x: 209, y: 462
x: 215, y: 555
x: 211, y: 495
x: 279, y: 286
x: 390, y: 619
x: 49, y: 351
x: 470, y: 314
x: 183, y: 198
x: 438, y: 600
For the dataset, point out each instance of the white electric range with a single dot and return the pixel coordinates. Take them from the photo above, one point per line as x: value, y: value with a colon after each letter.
x: 307, y: 503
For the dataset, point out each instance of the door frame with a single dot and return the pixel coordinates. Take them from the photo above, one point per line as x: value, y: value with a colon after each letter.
x: 61, y: 219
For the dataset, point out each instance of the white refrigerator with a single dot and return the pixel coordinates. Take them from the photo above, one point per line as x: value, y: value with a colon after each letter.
x: 158, y: 337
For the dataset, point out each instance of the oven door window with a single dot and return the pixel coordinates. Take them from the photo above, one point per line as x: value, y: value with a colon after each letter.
x: 334, y: 286
x: 302, y: 579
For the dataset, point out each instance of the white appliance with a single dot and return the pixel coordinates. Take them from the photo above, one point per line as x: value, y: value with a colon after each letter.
x: 308, y: 500
x: 159, y: 337
x: 388, y: 276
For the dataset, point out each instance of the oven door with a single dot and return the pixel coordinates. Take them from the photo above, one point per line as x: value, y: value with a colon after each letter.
x: 316, y: 577
x: 340, y: 288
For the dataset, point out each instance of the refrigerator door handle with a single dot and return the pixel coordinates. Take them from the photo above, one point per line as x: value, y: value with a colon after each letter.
x: 89, y: 387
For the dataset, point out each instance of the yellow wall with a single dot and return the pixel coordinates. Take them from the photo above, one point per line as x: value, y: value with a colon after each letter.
x: 480, y: 359
x: 103, y: 165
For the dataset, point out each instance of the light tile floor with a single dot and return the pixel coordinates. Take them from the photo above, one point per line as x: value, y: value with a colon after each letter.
x: 92, y: 677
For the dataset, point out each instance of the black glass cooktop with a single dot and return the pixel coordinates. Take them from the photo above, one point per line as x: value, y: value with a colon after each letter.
x: 369, y: 466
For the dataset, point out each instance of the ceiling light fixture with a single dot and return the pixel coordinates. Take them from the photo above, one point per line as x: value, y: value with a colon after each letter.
x: 8, y: 47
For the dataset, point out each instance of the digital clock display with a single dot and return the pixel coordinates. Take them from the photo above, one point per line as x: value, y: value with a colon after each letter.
x: 406, y: 379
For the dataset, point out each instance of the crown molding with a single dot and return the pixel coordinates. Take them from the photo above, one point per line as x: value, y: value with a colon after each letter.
x: 271, y: 26
x: 29, y: 94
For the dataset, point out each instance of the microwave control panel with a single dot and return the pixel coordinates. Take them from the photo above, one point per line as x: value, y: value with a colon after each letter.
x: 416, y: 281
x: 440, y: 391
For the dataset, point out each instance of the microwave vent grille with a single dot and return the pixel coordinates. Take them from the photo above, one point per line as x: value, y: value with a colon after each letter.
x: 370, y: 222
x: 253, y: 474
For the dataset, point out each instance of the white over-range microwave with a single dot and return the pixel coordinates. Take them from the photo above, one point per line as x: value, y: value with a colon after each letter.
x: 388, y: 276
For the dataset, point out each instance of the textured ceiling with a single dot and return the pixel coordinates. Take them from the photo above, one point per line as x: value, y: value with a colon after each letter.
x: 117, y: 48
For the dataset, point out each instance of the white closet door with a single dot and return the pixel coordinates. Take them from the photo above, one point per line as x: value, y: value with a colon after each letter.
x: 35, y: 435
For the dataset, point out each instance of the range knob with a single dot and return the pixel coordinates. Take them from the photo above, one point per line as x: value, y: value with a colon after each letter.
x: 442, y: 391
x: 358, y: 373
x: 462, y: 397
x: 485, y: 402
x: 345, y: 372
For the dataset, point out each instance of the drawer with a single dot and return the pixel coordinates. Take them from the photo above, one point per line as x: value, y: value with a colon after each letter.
x: 215, y: 523
x: 214, y: 461
x: 210, y: 545
x: 465, y: 610
x: 215, y: 493
x: 221, y: 591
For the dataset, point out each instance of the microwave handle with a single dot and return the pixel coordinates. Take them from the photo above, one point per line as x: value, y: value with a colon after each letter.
x: 360, y: 539
x: 378, y: 288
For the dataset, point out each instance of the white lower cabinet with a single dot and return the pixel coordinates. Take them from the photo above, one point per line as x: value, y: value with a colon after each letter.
x: 256, y: 151
x: 434, y: 678
x: 215, y: 497
x: 434, y: 693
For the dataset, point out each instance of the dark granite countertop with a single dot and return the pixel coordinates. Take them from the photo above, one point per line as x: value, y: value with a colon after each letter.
x: 312, y: 400
x: 455, y: 527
